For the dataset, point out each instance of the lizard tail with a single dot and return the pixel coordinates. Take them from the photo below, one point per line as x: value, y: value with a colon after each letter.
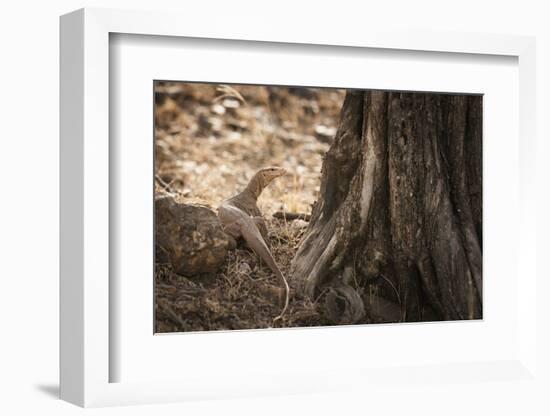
x: 287, y: 297
x: 254, y: 238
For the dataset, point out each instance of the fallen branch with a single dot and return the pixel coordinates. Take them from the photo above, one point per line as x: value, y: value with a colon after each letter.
x: 167, y: 186
x: 290, y: 216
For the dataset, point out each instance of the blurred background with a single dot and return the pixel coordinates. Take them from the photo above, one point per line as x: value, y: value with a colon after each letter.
x: 210, y: 139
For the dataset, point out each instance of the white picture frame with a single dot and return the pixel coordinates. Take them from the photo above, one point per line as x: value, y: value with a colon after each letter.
x: 86, y: 355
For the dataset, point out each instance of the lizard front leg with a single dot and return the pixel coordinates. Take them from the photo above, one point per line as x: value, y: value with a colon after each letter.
x: 260, y: 223
x: 233, y: 230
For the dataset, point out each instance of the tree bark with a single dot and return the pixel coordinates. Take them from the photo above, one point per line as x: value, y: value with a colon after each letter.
x: 398, y: 221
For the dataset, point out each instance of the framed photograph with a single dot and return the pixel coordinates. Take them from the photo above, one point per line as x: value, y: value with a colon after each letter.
x: 280, y: 213
x: 364, y: 206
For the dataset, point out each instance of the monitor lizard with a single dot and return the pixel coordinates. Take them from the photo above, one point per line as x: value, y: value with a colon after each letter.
x: 241, y: 217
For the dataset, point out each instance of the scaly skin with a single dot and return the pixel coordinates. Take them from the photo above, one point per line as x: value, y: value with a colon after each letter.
x: 241, y: 217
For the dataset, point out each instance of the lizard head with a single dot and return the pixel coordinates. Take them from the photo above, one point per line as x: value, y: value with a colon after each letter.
x: 269, y: 174
x: 262, y: 178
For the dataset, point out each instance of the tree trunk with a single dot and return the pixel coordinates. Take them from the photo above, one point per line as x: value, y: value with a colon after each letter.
x: 396, y: 232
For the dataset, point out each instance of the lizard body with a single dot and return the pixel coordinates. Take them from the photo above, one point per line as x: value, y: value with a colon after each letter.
x: 241, y: 217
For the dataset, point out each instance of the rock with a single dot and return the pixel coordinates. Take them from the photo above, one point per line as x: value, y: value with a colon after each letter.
x: 190, y: 237
x: 231, y: 103
x: 325, y: 134
x: 244, y: 268
x: 299, y: 224
x: 218, y: 109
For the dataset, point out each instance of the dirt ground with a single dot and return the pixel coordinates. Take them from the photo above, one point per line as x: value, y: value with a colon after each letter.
x: 209, y: 141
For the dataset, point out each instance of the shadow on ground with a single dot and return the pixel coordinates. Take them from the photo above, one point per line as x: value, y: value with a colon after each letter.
x: 51, y: 390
